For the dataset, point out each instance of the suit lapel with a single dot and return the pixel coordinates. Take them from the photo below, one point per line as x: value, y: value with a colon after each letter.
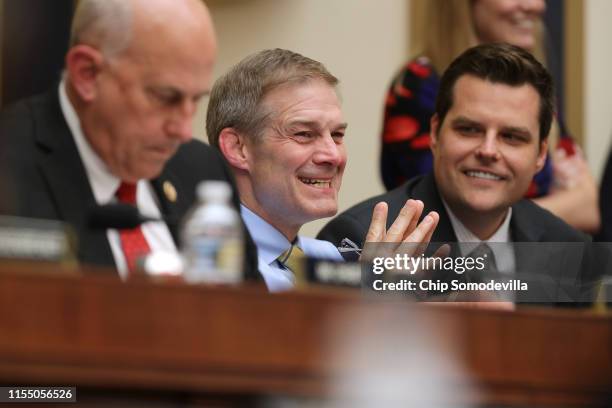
x: 523, y: 230
x: 522, y: 226
x: 61, y: 168
x: 427, y: 191
x: 174, y: 200
x: 533, y: 266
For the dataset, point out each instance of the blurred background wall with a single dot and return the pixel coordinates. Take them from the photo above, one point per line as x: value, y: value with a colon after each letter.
x: 363, y: 42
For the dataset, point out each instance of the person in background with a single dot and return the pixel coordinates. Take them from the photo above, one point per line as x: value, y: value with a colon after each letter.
x: 564, y: 186
x: 276, y: 117
x: 605, y: 202
x: 118, y: 127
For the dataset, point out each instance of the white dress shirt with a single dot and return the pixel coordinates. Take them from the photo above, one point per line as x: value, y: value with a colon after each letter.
x: 504, y: 254
x: 104, y: 186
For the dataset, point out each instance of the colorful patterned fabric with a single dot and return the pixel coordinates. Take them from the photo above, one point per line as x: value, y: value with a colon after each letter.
x: 409, y: 105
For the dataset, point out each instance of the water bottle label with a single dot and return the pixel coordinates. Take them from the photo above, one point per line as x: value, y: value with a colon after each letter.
x: 215, y: 260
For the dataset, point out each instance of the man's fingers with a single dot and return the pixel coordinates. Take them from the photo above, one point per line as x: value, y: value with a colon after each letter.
x: 397, y: 230
x: 442, y: 252
x: 423, y: 232
x: 378, y: 225
x: 415, y: 219
x: 421, y: 246
x: 432, y: 228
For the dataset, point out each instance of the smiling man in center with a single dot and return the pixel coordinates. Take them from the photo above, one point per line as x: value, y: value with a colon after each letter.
x: 277, y: 119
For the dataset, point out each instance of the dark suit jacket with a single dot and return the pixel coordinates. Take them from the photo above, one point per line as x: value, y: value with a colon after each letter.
x: 605, y: 203
x: 45, y: 177
x: 529, y: 224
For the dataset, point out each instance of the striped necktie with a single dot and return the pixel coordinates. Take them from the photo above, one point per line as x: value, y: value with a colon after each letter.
x: 294, y: 259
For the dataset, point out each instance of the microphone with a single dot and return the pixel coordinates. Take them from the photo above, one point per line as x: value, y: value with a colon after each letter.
x: 118, y: 216
x: 125, y: 216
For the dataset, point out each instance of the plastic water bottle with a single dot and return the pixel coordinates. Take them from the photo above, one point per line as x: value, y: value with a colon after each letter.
x: 212, y: 237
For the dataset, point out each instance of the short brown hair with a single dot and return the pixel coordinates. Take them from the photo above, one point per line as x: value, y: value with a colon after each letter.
x: 500, y: 63
x: 236, y: 97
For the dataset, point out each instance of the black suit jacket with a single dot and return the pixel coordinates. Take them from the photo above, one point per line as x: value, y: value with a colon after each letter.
x: 45, y: 177
x: 529, y: 224
x: 605, y: 203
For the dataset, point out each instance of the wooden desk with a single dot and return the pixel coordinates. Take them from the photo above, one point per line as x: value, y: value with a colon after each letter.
x: 99, y: 334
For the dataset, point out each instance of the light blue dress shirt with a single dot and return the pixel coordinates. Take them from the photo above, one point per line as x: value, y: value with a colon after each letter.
x: 271, y: 243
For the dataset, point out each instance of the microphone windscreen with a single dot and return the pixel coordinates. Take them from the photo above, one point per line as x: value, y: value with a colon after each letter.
x: 119, y: 216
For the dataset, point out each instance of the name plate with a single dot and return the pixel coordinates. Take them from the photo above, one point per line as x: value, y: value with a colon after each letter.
x: 36, y: 240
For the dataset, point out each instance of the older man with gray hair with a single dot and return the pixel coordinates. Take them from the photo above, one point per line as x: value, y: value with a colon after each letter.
x: 118, y: 127
x: 276, y: 117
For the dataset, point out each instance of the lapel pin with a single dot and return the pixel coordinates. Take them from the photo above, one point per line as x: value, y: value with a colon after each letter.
x: 169, y: 191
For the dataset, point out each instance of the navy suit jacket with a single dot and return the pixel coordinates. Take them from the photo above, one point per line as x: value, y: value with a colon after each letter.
x: 529, y: 224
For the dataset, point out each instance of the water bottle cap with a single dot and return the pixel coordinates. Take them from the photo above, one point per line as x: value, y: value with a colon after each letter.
x: 213, y: 190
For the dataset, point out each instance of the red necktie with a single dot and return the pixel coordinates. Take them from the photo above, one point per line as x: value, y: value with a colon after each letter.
x: 133, y: 241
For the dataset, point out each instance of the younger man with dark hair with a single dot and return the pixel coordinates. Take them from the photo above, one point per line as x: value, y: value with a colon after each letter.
x: 488, y: 137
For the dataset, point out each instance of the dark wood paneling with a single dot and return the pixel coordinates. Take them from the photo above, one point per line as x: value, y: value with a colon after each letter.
x: 188, y: 342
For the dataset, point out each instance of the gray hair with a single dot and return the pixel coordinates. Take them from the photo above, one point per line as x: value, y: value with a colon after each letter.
x: 235, y: 99
x: 104, y: 24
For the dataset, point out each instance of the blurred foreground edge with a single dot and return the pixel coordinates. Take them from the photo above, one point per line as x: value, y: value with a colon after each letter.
x: 138, y: 341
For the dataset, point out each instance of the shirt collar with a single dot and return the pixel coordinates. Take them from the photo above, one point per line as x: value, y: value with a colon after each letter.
x: 270, y: 242
x: 103, y: 183
x: 464, y: 235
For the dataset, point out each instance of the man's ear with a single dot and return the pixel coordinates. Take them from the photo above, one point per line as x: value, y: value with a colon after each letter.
x: 83, y: 64
x: 541, y: 159
x: 434, y: 124
x: 232, y: 145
